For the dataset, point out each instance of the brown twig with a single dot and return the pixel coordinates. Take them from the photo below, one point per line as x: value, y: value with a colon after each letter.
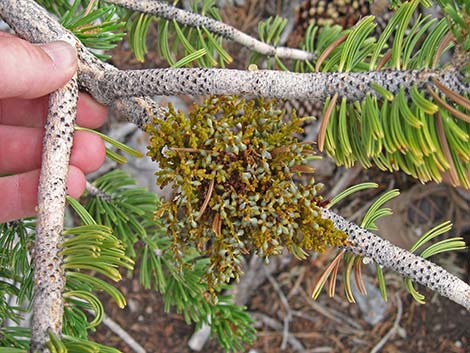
x: 207, y: 199
x: 285, y: 303
x: 384, y: 60
x: 275, y: 325
x: 328, y: 51
x: 446, y: 40
x: 123, y: 334
x: 393, y: 330
x: 457, y: 98
x: 298, y: 282
x: 330, y: 313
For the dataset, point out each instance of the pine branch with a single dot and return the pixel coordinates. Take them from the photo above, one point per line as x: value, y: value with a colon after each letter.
x: 137, y: 110
x: 107, y: 84
x: 49, y: 276
x: 365, y: 243
x: 184, y: 17
x: 270, y: 84
x: 94, y: 191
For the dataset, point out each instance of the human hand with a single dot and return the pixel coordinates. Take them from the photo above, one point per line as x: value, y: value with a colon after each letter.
x: 28, y: 73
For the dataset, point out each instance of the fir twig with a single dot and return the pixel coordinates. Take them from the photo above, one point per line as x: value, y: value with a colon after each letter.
x: 48, y: 272
x: 94, y: 191
x: 285, y: 302
x: 396, y: 325
x: 122, y: 334
x: 354, y: 86
x: 106, y: 84
x: 169, y: 12
x: 49, y: 276
x: 364, y: 243
x: 33, y: 23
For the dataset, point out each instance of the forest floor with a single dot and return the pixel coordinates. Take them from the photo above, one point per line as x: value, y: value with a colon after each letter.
x: 287, y: 319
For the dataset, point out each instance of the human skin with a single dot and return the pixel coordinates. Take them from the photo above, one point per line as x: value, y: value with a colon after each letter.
x: 28, y: 73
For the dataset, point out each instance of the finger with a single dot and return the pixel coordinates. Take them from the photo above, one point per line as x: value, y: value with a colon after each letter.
x: 33, y: 112
x: 90, y: 113
x: 88, y: 151
x: 30, y: 71
x: 19, y: 193
x: 21, y: 148
x: 23, y: 112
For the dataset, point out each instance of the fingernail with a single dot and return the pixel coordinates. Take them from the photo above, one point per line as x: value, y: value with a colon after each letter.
x: 62, y: 54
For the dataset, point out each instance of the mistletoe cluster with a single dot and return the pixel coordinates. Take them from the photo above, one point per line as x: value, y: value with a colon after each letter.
x: 233, y: 165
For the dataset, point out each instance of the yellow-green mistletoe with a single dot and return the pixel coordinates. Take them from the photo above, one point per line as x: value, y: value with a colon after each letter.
x: 232, y: 163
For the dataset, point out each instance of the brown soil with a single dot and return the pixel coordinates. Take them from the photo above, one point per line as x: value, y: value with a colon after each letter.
x: 440, y: 326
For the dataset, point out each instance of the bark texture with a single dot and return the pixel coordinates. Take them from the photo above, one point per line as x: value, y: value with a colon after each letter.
x: 270, y: 84
x: 136, y: 110
x: 384, y: 253
x: 169, y: 12
x: 49, y: 278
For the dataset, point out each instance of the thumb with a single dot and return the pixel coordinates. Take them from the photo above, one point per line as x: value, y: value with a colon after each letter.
x: 30, y: 71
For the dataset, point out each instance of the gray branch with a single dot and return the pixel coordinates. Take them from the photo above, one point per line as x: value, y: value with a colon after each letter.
x: 49, y: 280
x: 269, y: 84
x: 191, y: 19
x: 121, y: 333
x: 384, y: 253
x: 137, y: 110
x: 94, y: 191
